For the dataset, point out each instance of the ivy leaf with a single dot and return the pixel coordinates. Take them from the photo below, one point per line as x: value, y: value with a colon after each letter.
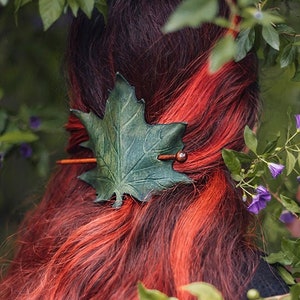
x: 245, y: 41
x: 126, y: 149
x: 223, y: 52
x: 250, y: 139
x: 191, y: 13
x: 203, y: 291
x: 271, y: 36
x: 50, y: 11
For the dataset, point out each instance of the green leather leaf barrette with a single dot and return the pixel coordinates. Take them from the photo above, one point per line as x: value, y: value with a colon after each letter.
x: 126, y: 149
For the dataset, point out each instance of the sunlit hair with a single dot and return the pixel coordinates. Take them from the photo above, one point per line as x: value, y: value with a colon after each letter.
x: 73, y: 248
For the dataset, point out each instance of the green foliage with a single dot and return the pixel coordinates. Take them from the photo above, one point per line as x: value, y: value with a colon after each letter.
x: 254, y: 295
x: 290, y: 204
x: 250, y: 139
x: 126, y: 148
x: 223, y: 52
x: 146, y: 294
x: 189, y: 13
x: 260, y: 169
x: 244, y: 42
x: 261, y: 27
x: 202, y: 290
x: 51, y: 10
x: 31, y: 85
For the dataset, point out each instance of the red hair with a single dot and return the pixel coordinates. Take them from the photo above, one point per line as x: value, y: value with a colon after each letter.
x: 73, y: 248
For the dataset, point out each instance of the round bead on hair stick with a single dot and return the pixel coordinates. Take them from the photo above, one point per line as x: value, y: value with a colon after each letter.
x: 180, y: 156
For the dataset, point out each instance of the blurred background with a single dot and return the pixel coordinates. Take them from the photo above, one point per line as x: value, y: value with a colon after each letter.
x: 33, y: 100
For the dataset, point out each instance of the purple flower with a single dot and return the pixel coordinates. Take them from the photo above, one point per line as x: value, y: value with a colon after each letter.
x: 25, y: 150
x: 286, y: 217
x: 298, y: 179
x: 297, y: 121
x: 275, y: 169
x: 256, y: 206
x: 34, y: 122
x: 260, y: 200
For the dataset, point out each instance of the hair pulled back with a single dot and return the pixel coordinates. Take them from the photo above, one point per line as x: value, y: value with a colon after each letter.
x: 73, y: 248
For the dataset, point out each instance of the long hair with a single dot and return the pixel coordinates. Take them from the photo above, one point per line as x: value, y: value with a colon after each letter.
x: 72, y: 248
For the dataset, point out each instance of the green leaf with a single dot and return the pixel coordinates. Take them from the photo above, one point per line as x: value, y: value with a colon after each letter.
x: 279, y: 257
x: 19, y: 3
x: 250, y: 139
x: 286, y: 276
x: 253, y: 16
x: 291, y: 249
x: 50, y: 11
x: 271, y: 36
x: 290, y: 162
x: 204, y: 291
x: 231, y: 161
x: 288, y: 55
x: 241, y: 156
x: 146, y: 294
x: 86, y: 6
x: 126, y: 149
x: 283, y: 28
x: 245, y: 41
x: 223, y: 51
x: 102, y: 7
x: 290, y: 204
x: 16, y: 137
x: 270, y: 56
x: 191, y: 13
x: 74, y: 6
x: 295, y: 291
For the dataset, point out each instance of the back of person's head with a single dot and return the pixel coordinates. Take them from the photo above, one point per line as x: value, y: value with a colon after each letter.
x: 73, y: 248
